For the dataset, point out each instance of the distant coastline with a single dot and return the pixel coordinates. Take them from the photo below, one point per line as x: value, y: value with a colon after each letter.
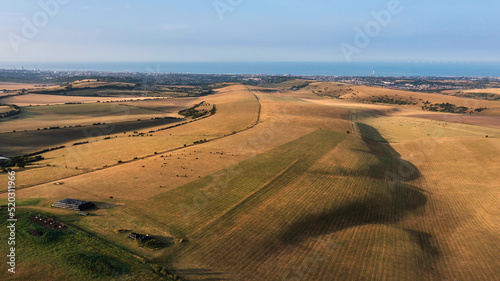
x: 455, y: 69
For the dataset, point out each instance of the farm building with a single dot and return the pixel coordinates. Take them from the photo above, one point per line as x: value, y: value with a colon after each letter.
x: 74, y: 204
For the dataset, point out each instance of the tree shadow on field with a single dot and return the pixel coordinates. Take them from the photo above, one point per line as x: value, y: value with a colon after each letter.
x: 167, y: 240
x: 371, y: 210
x: 391, y: 166
x: 390, y: 200
x: 105, y: 205
x: 425, y: 241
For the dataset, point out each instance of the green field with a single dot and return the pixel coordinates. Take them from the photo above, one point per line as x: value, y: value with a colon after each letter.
x: 44, y: 253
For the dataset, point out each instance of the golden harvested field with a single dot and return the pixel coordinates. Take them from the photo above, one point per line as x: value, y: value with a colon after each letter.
x: 291, y: 186
x: 400, y: 128
x: 93, y: 83
x: 366, y: 94
x: 39, y: 117
x: 485, y: 121
x: 459, y: 172
x: 9, y: 86
x: 330, y: 89
x: 41, y: 99
x: 237, y: 109
x: 4, y: 109
x: 495, y: 91
x: 494, y: 112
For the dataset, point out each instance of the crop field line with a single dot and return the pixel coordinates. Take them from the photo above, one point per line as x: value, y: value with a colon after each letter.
x: 234, y: 208
x: 299, y: 252
x: 260, y: 104
x: 153, y: 155
x: 142, y: 107
x: 354, y: 125
x: 260, y: 255
x: 285, y: 183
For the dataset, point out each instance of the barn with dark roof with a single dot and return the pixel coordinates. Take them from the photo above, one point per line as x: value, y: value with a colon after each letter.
x: 74, y: 204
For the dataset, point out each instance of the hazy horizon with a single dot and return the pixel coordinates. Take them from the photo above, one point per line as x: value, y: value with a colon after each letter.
x: 249, y: 31
x: 394, y: 69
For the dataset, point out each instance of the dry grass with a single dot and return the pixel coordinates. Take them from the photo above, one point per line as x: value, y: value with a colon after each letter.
x: 295, y: 196
x: 236, y: 110
x: 367, y: 94
x: 32, y: 118
x: 493, y: 112
x: 41, y: 99
x: 495, y: 91
x: 10, y: 86
x: 461, y: 176
x: 4, y: 109
x: 93, y: 83
x: 401, y: 128
x: 484, y: 121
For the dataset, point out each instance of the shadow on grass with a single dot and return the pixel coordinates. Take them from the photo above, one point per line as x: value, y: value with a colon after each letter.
x: 371, y: 210
x: 167, y: 241
x: 200, y: 274
x: 425, y: 241
x: 391, y: 164
x: 104, y: 206
x: 387, y: 207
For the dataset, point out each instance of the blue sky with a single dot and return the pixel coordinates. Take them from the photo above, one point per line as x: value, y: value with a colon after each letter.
x: 248, y: 30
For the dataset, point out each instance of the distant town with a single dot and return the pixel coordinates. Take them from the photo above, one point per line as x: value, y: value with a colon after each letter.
x: 420, y: 84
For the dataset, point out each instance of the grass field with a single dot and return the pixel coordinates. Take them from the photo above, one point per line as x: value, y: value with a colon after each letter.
x: 19, y: 143
x: 41, y: 99
x: 288, y: 186
x: 494, y: 112
x: 94, y: 83
x: 237, y: 109
x: 4, y: 109
x: 487, y: 94
x: 364, y: 94
x: 48, y: 254
x: 9, y: 86
x: 39, y: 117
x: 459, y: 173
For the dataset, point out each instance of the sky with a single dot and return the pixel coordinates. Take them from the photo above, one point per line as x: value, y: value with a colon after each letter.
x: 249, y: 30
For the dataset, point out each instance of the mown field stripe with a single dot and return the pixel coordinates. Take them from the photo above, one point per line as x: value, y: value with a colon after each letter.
x: 232, y: 211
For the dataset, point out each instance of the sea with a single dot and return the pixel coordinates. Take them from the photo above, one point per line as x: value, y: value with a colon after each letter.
x: 396, y: 69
